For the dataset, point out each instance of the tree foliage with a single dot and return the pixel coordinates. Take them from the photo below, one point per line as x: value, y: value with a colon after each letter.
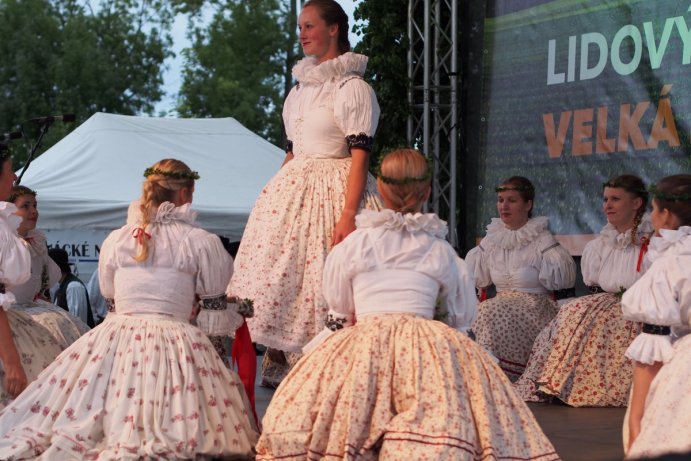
x: 236, y: 66
x: 61, y: 56
x: 384, y: 39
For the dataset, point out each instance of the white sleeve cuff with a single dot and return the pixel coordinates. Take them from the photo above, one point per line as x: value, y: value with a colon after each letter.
x: 648, y: 349
x: 6, y: 300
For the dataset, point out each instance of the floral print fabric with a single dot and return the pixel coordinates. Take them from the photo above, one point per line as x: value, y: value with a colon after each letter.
x: 136, y: 387
x: 579, y: 358
x: 508, y: 324
x: 36, y: 346
x: 399, y: 387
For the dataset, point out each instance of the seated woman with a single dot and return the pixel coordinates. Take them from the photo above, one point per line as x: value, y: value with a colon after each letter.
x: 66, y: 328
x: 145, y: 384
x: 579, y: 357
x: 660, y: 409
x: 387, y: 381
x: 526, y: 265
x: 26, y: 347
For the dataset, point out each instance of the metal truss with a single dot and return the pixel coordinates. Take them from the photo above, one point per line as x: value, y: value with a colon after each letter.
x: 433, y: 98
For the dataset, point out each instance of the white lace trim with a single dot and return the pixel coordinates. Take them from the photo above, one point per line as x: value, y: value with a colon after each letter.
x: 620, y: 240
x: 679, y: 241
x: 7, y: 211
x: 417, y: 222
x: 307, y: 71
x: 647, y: 348
x: 503, y: 237
x: 166, y: 213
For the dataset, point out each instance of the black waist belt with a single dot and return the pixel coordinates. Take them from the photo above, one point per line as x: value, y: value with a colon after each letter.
x: 595, y: 289
x: 656, y: 329
x: 565, y: 293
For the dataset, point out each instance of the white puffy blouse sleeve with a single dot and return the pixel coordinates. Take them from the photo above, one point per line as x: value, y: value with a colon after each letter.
x: 107, y: 265
x: 557, y: 268
x: 287, y: 108
x: 591, y: 261
x: 661, y: 297
x: 15, y: 263
x: 356, y: 111
x: 476, y: 260
x: 214, y: 269
x: 457, y: 293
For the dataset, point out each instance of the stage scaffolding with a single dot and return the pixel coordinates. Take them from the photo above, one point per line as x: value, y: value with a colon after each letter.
x: 433, y: 97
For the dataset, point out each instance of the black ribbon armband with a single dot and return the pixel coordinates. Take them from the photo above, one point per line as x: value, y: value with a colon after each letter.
x: 110, y: 304
x: 359, y: 141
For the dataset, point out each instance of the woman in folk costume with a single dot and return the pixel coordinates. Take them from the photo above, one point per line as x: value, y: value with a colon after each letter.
x: 310, y: 204
x: 145, y: 384
x: 659, y: 419
x: 31, y: 295
x: 384, y: 380
x: 529, y: 270
x: 26, y: 347
x: 579, y: 357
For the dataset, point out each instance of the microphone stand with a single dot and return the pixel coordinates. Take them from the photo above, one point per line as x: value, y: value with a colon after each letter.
x: 34, y: 148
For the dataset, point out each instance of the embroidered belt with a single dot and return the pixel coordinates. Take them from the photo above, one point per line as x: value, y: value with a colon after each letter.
x: 333, y: 323
x: 219, y: 303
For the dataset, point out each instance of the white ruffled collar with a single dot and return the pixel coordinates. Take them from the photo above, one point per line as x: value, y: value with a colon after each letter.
x: 36, y: 239
x: 678, y: 241
x: 307, y: 71
x: 620, y: 240
x: 8, y: 212
x: 508, y: 239
x: 166, y: 213
x: 411, y: 222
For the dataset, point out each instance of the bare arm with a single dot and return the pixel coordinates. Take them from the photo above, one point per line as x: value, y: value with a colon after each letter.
x: 15, y: 378
x: 355, y: 187
x: 643, y: 375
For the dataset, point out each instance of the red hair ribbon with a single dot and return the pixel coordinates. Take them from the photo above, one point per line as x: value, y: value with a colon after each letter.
x: 140, y: 234
x: 644, y: 248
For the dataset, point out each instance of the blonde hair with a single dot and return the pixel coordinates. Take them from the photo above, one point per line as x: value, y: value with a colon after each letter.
x: 158, y: 188
x: 403, y: 179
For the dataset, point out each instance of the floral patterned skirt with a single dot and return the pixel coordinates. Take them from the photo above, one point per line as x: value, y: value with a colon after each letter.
x: 36, y: 346
x: 65, y: 327
x: 399, y: 387
x: 666, y: 423
x: 508, y: 324
x: 281, y: 258
x: 136, y: 387
x: 579, y: 358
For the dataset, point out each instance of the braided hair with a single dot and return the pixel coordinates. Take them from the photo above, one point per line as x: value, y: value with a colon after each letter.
x: 160, y: 187
x: 404, y: 179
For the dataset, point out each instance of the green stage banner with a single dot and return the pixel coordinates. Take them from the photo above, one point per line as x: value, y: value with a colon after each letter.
x: 575, y: 92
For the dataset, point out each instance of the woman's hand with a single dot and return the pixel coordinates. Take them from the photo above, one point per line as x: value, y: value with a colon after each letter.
x: 15, y: 379
x: 344, y: 226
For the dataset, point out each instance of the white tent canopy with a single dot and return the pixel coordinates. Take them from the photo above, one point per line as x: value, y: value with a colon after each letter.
x: 88, y: 179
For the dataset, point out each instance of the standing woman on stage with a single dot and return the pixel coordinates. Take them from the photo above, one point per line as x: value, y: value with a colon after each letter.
x: 526, y: 264
x: 310, y: 205
x: 659, y: 420
x: 145, y: 384
x: 31, y: 295
x: 26, y: 347
x: 579, y: 358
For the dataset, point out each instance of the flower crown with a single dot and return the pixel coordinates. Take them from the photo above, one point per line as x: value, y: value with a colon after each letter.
x: 408, y: 179
x: 516, y: 188
x: 668, y: 197
x: 621, y: 185
x: 193, y: 175
x: 22, y: 191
